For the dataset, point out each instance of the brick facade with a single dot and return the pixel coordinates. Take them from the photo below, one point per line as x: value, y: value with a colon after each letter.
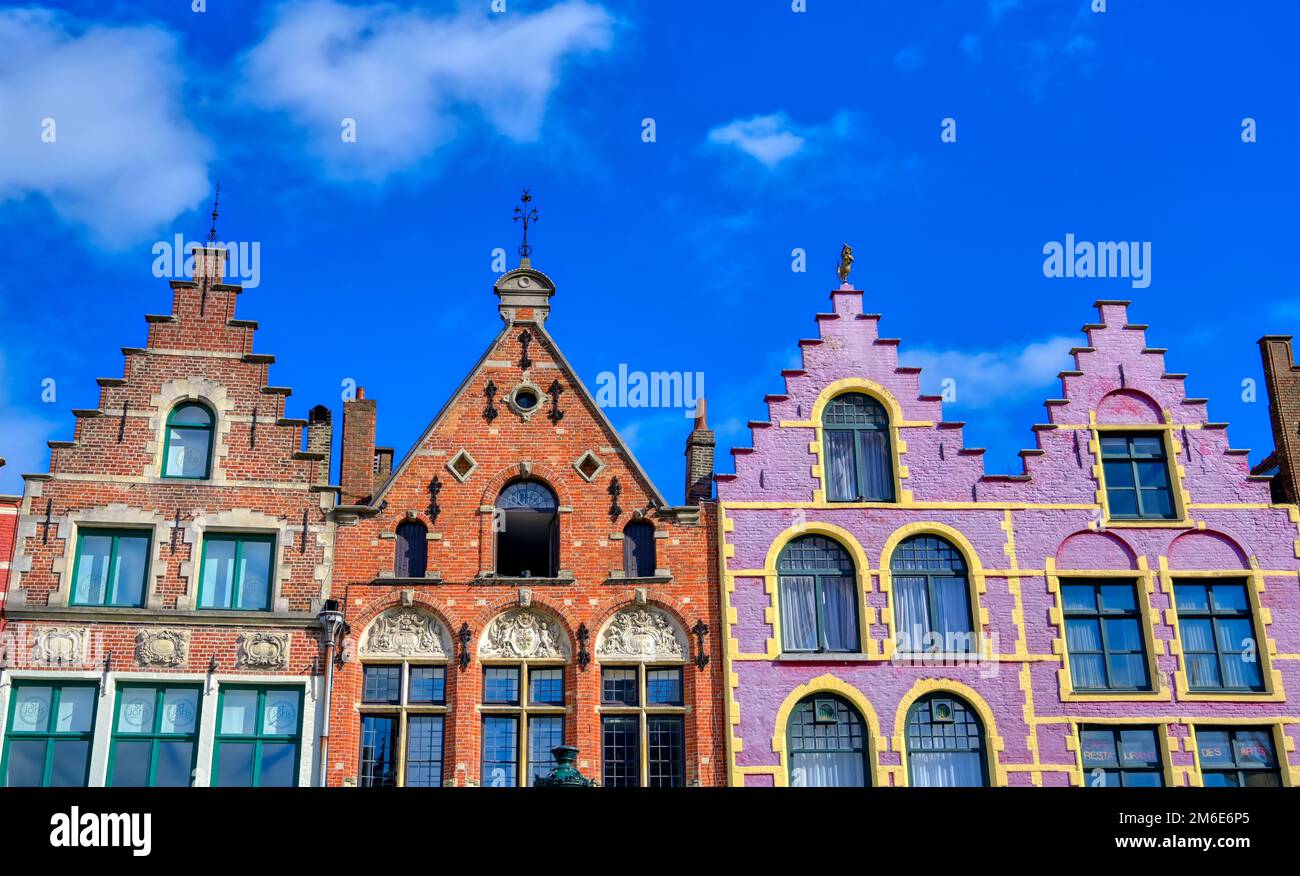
x: 109, y: 478
x: 8, y: 529
x: 584, y: 613
x: 1023, y: 539
x: 1282, y: 382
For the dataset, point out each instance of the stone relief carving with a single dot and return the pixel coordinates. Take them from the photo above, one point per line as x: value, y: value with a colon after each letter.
x: 641, y: 633
x: 162, y: 647
x: 263, y: 651
x: 58, y: 645
x: 406, y: 631
x: 523, y: 633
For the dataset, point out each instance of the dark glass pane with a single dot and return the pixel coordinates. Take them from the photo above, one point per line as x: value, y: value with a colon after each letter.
x: 618, y: 686
x: 378, y: 767
x: 234, y: 765
x: 1230, y: 597
x: 546, y: 687
x: 1156, y: 503
x: 663, y: 687
x: 1153, y: 474
x: 500, y: 752
x: 26, y: 763
x: 278, y: 765
x: 1146, y: 779
x: 620, y: 751
x: 928, y: 553
x: 1148, y: 446
x: 255, y: 575
x: 1128, y: 671
x: 527, y: 495
x: 1221, y: 780
x: 1098, y: 747
x: 1203, y: 671
x: 131, y: 763
x: 1262, y: 779
x: 813, y: 553
x: 1191, y: 597
x: 1254, y: 748
x: 501, y: 685
x: 1138, y: 748
x: 428, y: 684
x: 545, y: 732
x: 1215, y: 748
x: 855, y: 409
x: 1118, y: 597
x: 840, y: 466
x: 381, y: 684
x: 1079, y: 597
x: 71, y: 760
x: 1119, y: 474
x: 1088, y: 671
x: 639, y: 549
x: 412, y: 550
x: 424, y: 751
x: 1122, y: 502
x: 1114, y: 445
x: 175, y: 764
x: 666, y: 753
x: 1123, y: 634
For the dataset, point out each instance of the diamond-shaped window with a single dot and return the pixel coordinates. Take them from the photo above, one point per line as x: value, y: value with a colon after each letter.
x: 462, y: 465
x: 589, y: 465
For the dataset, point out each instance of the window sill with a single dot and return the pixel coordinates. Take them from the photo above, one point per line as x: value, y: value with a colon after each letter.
x: 164, y: 616
x: 395, y: 579
x: 645, y: 579
x: 1157, y: 522
x: 564, y: 578
x: 826, y: 657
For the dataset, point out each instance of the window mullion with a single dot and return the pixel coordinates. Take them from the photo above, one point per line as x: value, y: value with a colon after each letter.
x: 110, y: 586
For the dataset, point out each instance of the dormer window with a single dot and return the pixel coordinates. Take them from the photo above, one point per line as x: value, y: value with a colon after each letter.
x: 527, y: 524
x: 855, y: 445
x: 412, y: 552
x: 187, y: 447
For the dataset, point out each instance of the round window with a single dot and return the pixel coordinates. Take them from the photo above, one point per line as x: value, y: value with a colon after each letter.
x: 525, y: 399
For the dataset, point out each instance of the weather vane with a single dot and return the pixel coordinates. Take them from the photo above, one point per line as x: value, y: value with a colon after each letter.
x: 216, y: 198
x: 846, y: 263
x: 525, y: 214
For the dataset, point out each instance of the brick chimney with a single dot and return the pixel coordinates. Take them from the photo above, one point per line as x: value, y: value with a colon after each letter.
x: 320, y: 437
x: 357, y: 453
x: 209, y: 263
x: 699, y: 459
x: 1282, y: 380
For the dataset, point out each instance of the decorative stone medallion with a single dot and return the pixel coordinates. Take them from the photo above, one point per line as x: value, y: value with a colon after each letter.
x: 523, y: 633
x: 162, y: 647
x: 59, y: 645
x: 263, y: 651
x: 642, y: 633
x: 405, y: 632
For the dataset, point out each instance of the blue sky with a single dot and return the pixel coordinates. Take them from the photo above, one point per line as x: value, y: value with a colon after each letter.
x: 774, y: 130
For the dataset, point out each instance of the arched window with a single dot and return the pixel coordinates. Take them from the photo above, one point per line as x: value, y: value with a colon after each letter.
x: 932, y: 610
x: 827, y: 744
x: 528, y: 531
x: 855, y: 441
x: 412, y: 550
x: 187, y: 445
x: 639, y: 549
x: 818, y: 593
x: 945, y: 744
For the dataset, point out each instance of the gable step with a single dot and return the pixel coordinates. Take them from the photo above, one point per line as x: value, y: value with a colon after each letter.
x: 276, y: 390
x: 111, y: 381
x: 159, y: 317
x: 87, y: 413
x: 258, y: 358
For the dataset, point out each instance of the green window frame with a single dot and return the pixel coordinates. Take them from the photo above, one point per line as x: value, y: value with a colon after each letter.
x: 174, y: 705
x: 258, y: 742
x: 109, y: 595
x: 1104, y: 636
x: 856, y: 454
x: 235, y: 593
x: 182, y: 430
x: 46, y: 716
x: 1214, y: 658
x: 1138, y: 482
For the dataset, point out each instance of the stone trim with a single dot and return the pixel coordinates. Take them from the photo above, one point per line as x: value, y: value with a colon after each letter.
x: 238, y: 521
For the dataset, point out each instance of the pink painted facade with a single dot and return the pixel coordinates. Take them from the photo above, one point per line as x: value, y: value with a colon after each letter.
x: 1023, y: 538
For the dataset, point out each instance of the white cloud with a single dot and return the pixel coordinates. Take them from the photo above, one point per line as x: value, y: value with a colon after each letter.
x: 125, y: 160
x: 412, y: 79
x: 23, y: 437
x: 769, y: 139
x: 909, y: 60
x: 986, y: 377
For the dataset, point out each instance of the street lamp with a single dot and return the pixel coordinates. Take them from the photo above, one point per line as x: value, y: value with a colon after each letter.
x: 333, y: 626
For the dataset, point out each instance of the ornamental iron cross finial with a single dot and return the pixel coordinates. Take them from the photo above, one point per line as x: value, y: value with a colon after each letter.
x: 525, y: 214
x: 216, y: 199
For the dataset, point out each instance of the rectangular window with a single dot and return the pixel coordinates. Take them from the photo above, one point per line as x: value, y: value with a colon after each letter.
x: 155, y: 737
x: 666, y: 751
x: 545, y: 732
x: 501, y: 685
x: 381, y: 685
x: 1238, y: 758
x: 619, y: 686
x: 428, y: 685
x: 49, y: 736
x: 546, y: 687
x: 1115, y: 757
x: 500, y: 751
x: 258, y: 735
x: 378, y: 766
x: 663, y: 687
x: 424, y: 751
x: 1220, y: 650
x: 621, y: 751
x: 1103, y: 634
x: 237, y: 572
x: 110, y: 568
x: 1137, y: 476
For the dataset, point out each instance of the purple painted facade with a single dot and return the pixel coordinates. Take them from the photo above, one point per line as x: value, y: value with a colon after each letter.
x: 1023, y: 538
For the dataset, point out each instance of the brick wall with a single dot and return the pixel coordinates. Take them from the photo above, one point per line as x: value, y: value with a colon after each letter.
x: 1282, y: 382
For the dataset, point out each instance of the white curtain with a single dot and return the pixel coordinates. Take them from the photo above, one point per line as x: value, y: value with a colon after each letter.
x: 878, y: 472
x: 840, y: 614
x: 946, y: 769
x: 828, y: 769
x: 952, y: 608
x: 798, y: 613
x: 1088, y: 669
x: 839, y: 465
x: 912, y: 612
